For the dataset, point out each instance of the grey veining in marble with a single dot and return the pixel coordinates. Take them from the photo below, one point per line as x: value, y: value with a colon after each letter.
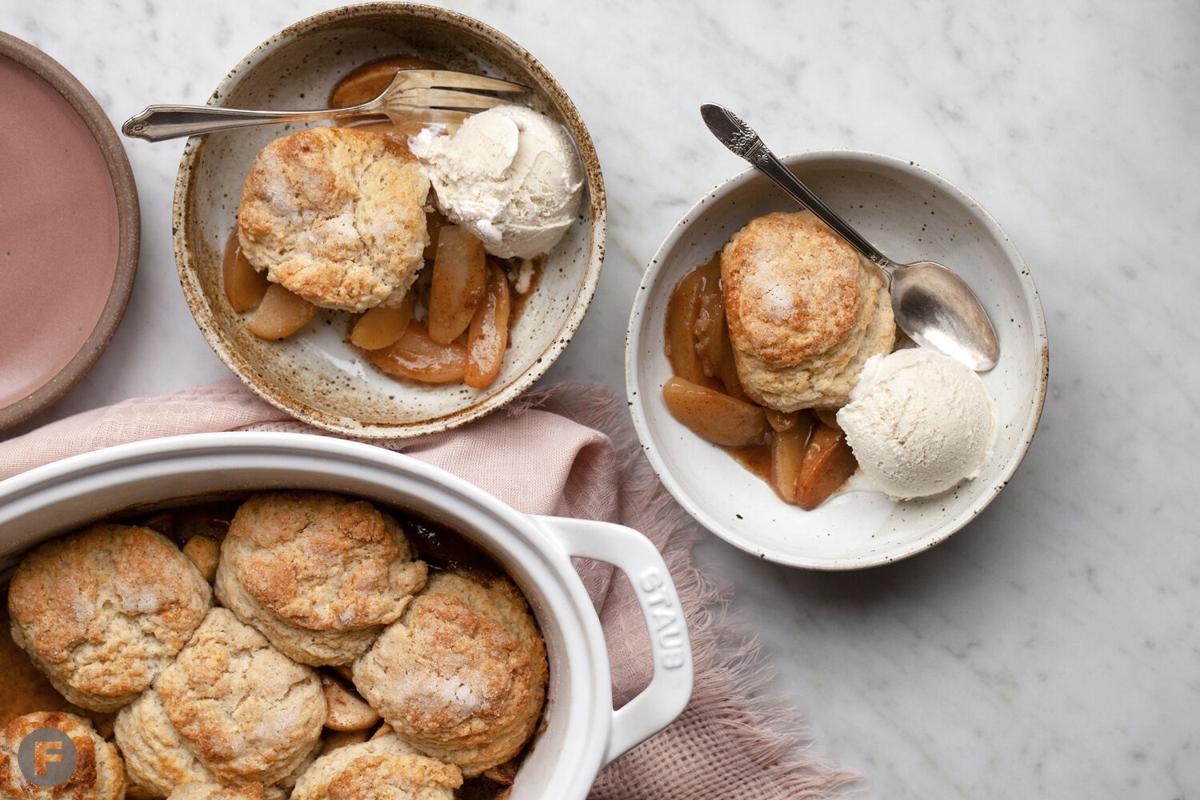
x: 1049, y: 650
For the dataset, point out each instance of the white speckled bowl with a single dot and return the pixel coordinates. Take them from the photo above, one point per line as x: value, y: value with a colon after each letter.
x: 909, y: 213
x: 315, y: 375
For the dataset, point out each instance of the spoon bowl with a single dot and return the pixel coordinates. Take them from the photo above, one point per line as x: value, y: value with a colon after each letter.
x: 938, y: 310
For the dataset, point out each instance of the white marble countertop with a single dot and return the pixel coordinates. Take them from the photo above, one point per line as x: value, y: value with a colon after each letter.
x: 1052, y: 649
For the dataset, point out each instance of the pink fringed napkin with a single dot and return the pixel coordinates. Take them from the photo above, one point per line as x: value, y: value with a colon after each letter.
x: 567, y: 451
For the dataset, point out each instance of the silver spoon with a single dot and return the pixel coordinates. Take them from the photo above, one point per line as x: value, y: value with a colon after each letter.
x: 932, y: 305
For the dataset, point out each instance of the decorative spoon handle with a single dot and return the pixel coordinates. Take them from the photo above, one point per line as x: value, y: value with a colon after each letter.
x: 157, y: 123
x: 743, y: 142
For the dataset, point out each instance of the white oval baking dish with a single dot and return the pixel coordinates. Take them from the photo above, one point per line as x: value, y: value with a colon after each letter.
x: 582, y: 732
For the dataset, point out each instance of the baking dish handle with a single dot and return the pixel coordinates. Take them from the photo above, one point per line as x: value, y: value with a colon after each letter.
x: 671, y: 687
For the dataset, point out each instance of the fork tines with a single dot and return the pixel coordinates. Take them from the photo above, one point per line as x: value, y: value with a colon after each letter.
x: 451, y: 100
x: 449, y: 91
x: 449, y: 79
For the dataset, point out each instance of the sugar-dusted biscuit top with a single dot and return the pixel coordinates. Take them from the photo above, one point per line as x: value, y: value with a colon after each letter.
x: 318, y: 574
x: 792, y: 288
x: 102, y: 612
x: 805, y: 311
x: 231, y: 709
x: 462, y: 675
x: 336, y: 215
x: 384, y: 768
x: 215, y: 791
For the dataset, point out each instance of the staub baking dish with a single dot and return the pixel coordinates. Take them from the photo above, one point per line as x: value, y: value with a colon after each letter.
x: 581, y: 732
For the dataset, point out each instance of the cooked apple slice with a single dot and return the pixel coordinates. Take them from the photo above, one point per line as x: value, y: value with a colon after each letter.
x: 205, y: 553
x: 335, y: 740
x: 828, y: 416
x: 828, y: 463
x: 434, y: 222
x: 244, y: 285
x: 728, y: 370
x: 782, y: 420
x: 416, y: 356
x: 487, y: 338
x: 788, y: 446
x: 714, y: 416
x: 347, y: 711
x: 280, y: 314
x: 787, y: 454
x: 679, y: 330
x: 459, y: 283
x: 709, y: 327
x: 382, y: 326
x: 368, y: 81
x: 505, y: 774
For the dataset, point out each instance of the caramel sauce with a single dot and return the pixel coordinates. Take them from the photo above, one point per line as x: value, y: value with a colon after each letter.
x: 519, y: 300
x: 756, y: 458
x: 25, y: 689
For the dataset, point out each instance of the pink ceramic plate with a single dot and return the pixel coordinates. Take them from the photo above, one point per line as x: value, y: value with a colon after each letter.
x: 69, y: 230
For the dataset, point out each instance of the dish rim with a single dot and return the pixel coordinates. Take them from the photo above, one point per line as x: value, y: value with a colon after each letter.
x: 940, y: 533
x: 128, y: 227
x: 193, y: 291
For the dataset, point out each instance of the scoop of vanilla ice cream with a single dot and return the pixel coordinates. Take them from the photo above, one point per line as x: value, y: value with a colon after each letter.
x: 509, y: 175
x: 918, y: 422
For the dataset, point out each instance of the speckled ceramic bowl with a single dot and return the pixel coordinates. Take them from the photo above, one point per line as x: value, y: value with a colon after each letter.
x: 315, y: 375
x: 910, y: 213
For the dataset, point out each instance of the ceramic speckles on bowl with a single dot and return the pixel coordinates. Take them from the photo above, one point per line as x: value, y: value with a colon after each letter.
x: 315, y: 375
x: 910, y: 214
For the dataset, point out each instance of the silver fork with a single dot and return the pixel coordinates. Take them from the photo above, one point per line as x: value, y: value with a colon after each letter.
x: 411, y: 92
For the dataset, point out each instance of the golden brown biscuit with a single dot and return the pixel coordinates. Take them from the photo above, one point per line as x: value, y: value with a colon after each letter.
x: 157, y: 758
x: 230, y: 710
x: 805, y: 312
x: 824, y: 382
x: 381, y: 769
x: 336, y: 215
x: 288, y: 782
x: 103, y: 611
x: 98, y: 773
x: 462, y: 675
x: 215, y: 791
x: 318, y: 574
